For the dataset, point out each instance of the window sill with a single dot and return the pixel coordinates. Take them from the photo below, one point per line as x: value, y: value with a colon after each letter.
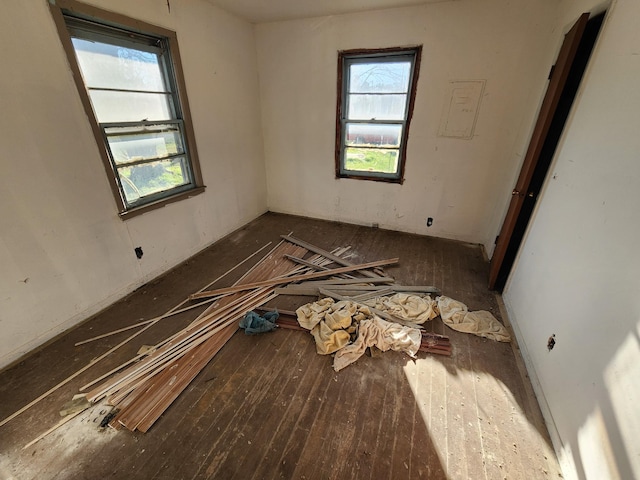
x: 133, y: 212
x: 371, y: 178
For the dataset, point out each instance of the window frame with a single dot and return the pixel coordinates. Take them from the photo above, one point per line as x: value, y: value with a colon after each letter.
x: 62, y: 9
x: 350, y: 57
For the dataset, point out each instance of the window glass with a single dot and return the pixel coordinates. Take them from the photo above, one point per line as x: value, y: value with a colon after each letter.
x: 118, y: 106
x: 388, y: 77
x: 377, y: 107
x: 118, y: 67
x: 130, y: 144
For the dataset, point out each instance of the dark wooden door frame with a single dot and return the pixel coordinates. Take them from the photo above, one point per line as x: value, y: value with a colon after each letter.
x: 558, y: 79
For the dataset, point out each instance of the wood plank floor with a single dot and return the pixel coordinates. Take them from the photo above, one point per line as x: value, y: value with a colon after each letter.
x: 269, y: 407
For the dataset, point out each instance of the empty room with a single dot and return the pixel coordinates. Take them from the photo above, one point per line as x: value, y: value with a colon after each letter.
x: 320, y: 240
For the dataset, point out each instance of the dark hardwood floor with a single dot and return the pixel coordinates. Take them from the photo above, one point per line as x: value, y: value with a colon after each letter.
x: 269, y: 407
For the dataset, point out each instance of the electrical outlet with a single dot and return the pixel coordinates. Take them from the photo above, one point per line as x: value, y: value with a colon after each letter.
x: 429, y: 221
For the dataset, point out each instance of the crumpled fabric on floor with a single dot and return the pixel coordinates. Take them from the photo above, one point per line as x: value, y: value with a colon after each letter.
x: 456, y: 315
x: 414, y: 308
x: 332, y: 323
x: 379, y: 333
x: 252, y: 323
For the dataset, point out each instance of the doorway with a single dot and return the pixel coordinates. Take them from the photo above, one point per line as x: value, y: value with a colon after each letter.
x: 565, y: 77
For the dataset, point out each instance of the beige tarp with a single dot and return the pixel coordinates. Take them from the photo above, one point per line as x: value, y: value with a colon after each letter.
x: 379, y: 333
x: 456, y: 315
x: 335, y: 324
x: 415, y: 308
x: 332, y: 323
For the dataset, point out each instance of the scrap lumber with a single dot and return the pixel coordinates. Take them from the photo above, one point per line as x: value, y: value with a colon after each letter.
x: 77, y: 404
x: 310, y: 291
x: 363, y: 297
x: 348, y: 281
x: 295, y: 278
x: 329, y: 255
x: 414, y: 289
x: 337, y: 287
x: 52, y: 429
x: 306, y: 263
x: 435, y: 343
x: 149, y: 387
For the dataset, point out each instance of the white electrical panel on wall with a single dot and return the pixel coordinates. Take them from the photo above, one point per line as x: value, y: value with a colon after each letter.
x: 461, y: 109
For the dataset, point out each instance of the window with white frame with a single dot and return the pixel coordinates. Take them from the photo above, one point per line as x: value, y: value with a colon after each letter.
x: 376, y: 93
x: 131, y: 83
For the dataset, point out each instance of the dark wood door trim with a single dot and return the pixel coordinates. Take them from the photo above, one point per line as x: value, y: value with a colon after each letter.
x: 557, y: 82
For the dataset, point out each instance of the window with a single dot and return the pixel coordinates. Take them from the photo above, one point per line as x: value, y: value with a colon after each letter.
x: 129, y: 77
x: 376, y: 93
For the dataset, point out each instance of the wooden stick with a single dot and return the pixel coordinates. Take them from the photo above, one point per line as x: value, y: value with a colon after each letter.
x: 236, y: 266
x: 161, y: 317
x: 363, y: 297
x: 324, y: 253
x: 414, y: 288
x: 295, y: 278
x: 305, y: 262
x: 340, y: 287
x: 348, y: 281
x: 52, y: 429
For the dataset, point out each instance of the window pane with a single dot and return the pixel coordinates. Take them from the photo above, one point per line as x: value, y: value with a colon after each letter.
x: 387, y: 77
x: 141, y: 180
x: 111, y: 66
x: 371, y: 160
x: 112, y: 107
x: 373, y: 135
x: 129, y: 144
x: 376, y: 107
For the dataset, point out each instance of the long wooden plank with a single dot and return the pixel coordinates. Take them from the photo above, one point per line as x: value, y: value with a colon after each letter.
x: 295, y: 278
x: 52, y: 429
x: 349, y: 281
x: 146, y: 322
x: 310, y: 291
x: 338, y: 287
x: 324, y: 253
x: 301, y: 261
x: 363, y: 297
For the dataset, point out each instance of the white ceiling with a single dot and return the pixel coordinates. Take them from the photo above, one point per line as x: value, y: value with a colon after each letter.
x: 260, y: 11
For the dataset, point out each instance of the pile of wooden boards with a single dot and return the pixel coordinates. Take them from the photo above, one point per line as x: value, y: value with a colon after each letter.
x: 144, y: 390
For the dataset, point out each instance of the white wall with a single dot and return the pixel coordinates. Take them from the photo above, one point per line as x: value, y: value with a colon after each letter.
x: 577, y: 275
x: 64, y: 252
x: 462, y: 184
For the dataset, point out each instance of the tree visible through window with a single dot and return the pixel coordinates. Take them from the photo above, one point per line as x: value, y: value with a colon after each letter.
x: 376, y: 93
x: 130, y: 81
